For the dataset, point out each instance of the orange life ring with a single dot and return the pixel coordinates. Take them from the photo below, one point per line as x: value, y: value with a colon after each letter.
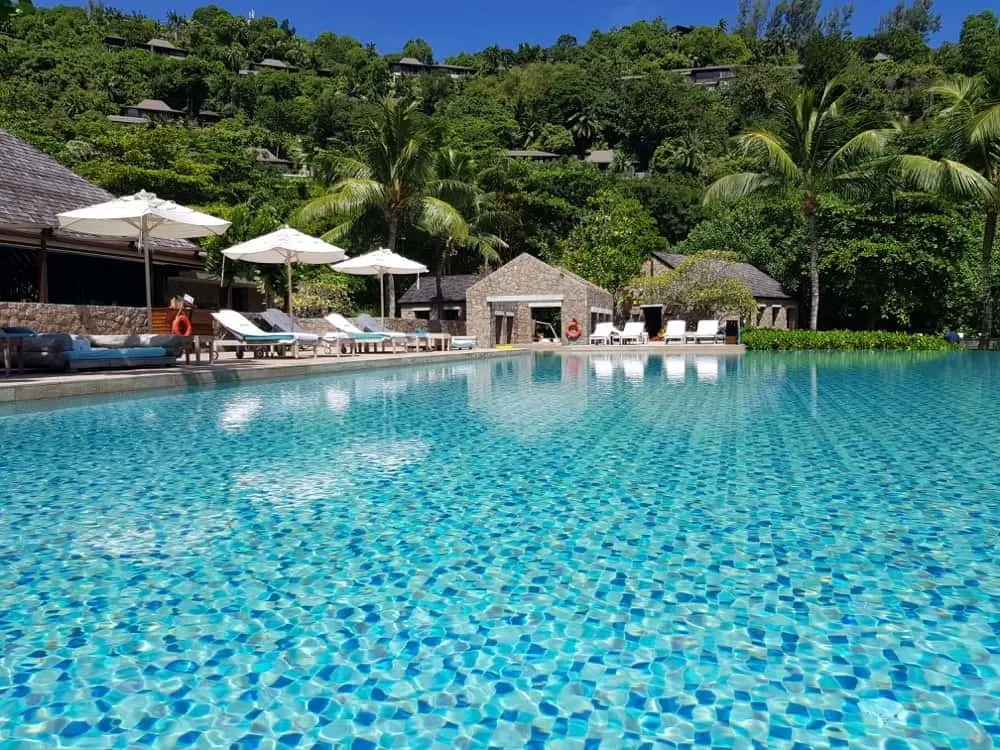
x: 573, y: 330
x: 181, y: 325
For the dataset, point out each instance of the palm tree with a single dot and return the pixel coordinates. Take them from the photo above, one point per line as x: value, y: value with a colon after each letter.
x: 584, y: 128
x: 457, y: 186
x: 812, y: 151
x: 970, y: 134
x: 391, y: 181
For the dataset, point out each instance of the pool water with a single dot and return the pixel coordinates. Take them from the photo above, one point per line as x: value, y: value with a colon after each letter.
x: 785, y: 551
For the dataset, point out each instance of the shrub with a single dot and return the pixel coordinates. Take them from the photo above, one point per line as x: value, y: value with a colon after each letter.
x: 776, y: 339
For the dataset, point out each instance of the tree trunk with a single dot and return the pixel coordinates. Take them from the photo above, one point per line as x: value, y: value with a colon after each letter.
x: 989, y: 237
x: 439, y: 293
x: 810, y: 207
x: 390, y: 281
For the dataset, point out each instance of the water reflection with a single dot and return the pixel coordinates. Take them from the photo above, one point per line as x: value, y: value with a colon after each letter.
x: 238, y: 412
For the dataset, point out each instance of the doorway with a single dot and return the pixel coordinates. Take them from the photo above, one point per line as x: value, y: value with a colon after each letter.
x: 653, y: 316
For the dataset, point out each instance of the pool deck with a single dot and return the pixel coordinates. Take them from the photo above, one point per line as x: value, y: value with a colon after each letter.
x: 37, y: 386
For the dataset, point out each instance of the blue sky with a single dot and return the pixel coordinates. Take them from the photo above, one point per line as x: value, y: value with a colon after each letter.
x: 469, y: 25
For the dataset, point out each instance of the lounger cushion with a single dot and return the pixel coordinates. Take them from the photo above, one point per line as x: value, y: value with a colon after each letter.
x: 135, y: 353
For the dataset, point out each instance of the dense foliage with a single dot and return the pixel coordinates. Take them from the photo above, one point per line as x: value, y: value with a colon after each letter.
x: 885, y: 259
x: 772, y: 339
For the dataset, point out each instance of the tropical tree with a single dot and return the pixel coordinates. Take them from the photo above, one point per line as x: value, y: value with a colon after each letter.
x: 615, y: 235
x: 971, y: 137
x: 456, y: 185
x: 812, y: 150
x: 390, y: 181
x: 702, y: 286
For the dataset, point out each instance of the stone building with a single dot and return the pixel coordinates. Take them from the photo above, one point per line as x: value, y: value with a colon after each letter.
x: 502, y: 306
x: 776, y: 308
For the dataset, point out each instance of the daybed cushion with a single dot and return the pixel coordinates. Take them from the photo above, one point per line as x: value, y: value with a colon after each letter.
x: 173, y: 344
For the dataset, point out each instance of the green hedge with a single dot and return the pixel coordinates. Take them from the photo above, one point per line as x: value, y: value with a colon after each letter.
x: 773, y: 339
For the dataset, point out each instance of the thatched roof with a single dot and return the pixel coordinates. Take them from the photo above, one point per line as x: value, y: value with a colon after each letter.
x: 761, y: 285
x: 453, y: 289
x: 161, y: 43
x: 34, y: 188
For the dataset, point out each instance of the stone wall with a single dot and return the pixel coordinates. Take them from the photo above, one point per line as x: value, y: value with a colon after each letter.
x: 89, y: 319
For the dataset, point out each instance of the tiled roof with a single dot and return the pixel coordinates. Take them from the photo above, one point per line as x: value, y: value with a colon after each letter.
x: 601, y: 156
x: 155, y: 105
x: 759, y: 283
x: 520, y: 153
x: 34, y: 188
x: 453, y: 289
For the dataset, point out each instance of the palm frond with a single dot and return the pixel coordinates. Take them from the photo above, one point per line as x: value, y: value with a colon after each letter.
x: 736, y: 186
x: 345, y: 167
x: 438, y: 217
x: 772, y: 153
x: 985, y: 127
x: 865, y: 145
x: 945, y: 177
x: 347, y: 199
x: 338, y: 233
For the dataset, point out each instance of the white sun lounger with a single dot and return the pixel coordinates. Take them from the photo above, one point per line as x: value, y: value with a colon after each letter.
x: 248, y: 336
x: 635, y: 330
x: 676, y: 331
x: 416, y: 340
x: 605, y: 333
x: 707, y: 330
x: 279, y: 320
x: 362, y: 338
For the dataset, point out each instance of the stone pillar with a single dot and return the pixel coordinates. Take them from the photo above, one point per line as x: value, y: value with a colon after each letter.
x: 781, y: 317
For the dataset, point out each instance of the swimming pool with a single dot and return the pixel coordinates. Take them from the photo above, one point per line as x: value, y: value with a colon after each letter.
x: 558, y: 551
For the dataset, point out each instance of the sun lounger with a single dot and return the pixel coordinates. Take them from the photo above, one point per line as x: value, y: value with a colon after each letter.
x: 605, y: 333
x: 707, y: 330
x: 362, y: 338
x: 635, y: 330
x: 280, y: 321
x: 248, y: 336
x: 416, y: 340
x: 463, y: 342
x: 676, y: 331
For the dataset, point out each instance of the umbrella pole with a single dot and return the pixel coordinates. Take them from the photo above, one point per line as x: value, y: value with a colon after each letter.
x: 381, y: 297
x: 288, y: 265
x: 148, y: 273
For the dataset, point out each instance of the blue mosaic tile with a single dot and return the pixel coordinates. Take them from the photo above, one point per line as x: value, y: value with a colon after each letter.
x: 778, y: 551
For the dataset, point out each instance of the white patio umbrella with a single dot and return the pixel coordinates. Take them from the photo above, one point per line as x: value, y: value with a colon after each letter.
x: 379, y: 263
x: 286, y: 245
x: 143, y: 216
